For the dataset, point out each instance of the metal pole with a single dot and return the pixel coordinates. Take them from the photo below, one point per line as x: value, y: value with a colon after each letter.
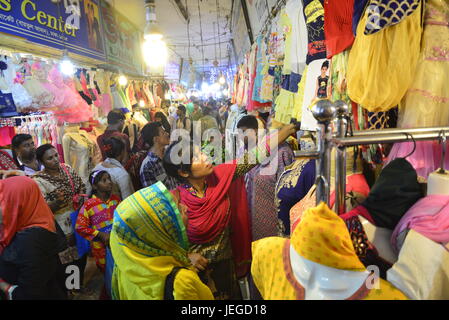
x: 307, y: 154
x: 389, y: 138
x: 324, y: 112
x: 397, y: 130
x: 340, y: 158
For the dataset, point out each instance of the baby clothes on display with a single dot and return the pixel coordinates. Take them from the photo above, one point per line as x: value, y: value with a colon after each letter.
x: 298, y: 57
x: 41, y: 97
x: 338, y: 25
x: 339, y: 67
x: 117, y: 100
x: 314, y: 14
x: 258, y: 81
x: 103, y: 80
x: 12, y: 83
x: 22, y: 98
x: 426, y: 103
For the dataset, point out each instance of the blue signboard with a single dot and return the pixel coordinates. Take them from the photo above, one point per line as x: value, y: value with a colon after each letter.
x: 74, y: 25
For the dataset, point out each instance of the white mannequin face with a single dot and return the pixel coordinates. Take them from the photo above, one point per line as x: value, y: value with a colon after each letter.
x: 325, y: 283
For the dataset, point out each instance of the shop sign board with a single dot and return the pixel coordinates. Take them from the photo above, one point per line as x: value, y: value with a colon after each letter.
x: 74, y: 25
x: 122, y: 40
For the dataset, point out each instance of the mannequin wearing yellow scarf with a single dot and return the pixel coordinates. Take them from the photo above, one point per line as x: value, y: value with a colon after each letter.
x: 320, y: 248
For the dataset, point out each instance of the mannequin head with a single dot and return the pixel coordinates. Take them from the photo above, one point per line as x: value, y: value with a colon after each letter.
x: 438, y: 183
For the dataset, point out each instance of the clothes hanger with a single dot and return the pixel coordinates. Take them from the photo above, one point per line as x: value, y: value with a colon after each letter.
x: 443, y: 143
x: 414, y: 144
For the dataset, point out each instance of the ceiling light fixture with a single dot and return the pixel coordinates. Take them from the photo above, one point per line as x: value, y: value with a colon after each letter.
x: 154, y: 49
x: 66, y: 66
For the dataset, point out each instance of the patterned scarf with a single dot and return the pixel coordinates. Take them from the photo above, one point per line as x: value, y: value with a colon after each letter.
x: 149, y: 223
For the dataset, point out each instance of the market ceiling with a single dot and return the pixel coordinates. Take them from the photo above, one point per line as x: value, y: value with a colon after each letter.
x: 171, y: 15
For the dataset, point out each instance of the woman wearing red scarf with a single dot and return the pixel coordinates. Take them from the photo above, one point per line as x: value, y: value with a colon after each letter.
x: 218, y: 226
x: 29, y: 261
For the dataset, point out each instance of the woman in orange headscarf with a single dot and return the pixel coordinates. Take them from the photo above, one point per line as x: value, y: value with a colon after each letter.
x: 29, y: 263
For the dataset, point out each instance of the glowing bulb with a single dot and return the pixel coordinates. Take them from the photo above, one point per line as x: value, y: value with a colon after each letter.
x: 222, y: 80
x: 215, y: 87
x: 122, y: 80
x: 155, y: 52
x: 142, y: 103
x: 204, y: 87
x: 67, y: 68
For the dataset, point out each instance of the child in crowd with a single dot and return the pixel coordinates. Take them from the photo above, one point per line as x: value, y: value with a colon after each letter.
x: 95, y: 218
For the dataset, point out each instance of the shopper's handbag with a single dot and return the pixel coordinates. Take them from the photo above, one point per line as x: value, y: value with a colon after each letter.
x: 82, y: 244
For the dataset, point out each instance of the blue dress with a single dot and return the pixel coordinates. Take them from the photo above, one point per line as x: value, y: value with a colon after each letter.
x: 293, y: 185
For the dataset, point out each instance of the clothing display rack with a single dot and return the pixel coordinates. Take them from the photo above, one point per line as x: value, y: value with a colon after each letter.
x: 325, y: 112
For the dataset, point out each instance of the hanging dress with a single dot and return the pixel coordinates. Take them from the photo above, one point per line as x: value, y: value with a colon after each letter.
x: 381, y: 65
x: 314, y: 14
x: 426, y: 103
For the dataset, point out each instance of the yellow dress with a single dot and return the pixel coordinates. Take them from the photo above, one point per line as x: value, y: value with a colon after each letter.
x: 299, y: 99
x: 426, y: 103
x: 381, y: 66
x: 321, y: 237
x: 285, y: 101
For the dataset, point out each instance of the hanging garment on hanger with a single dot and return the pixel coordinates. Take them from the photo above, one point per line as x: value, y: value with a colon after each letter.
x: 386, y: 13
x: 377, y: 81
x: 426, y: 103
x: 338, y: 25
x: 41, y: 97
x: 292, y: 186
x: 359, y: 10
x: 78, y: 152
x: 261, y: 192
x: 314, y: 14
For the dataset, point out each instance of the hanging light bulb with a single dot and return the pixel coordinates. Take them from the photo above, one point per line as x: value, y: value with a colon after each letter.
x: 222, y: 80
x: 142, y: 103
x: 155, y: 52
x: 154, y: 49
x: 66, y: 66
x: 122, y: 80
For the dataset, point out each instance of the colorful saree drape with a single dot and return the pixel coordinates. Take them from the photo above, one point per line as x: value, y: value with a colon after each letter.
x: 148, y: 239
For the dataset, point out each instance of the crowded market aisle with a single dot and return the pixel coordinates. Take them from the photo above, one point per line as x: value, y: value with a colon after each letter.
x: 129, y: 174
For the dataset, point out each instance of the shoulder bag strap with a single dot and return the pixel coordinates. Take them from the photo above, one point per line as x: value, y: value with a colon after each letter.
x: 170, y: 284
